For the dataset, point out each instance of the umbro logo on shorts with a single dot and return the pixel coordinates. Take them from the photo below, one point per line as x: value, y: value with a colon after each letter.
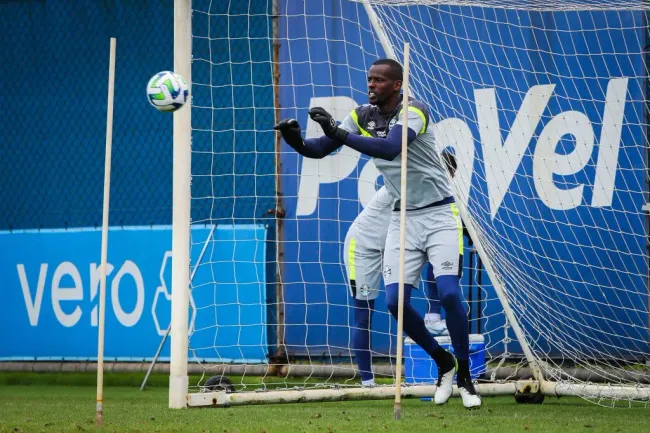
x: 447, y: 265
x: 387, y: 271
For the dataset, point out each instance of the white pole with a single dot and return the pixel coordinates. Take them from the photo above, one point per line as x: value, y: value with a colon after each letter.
x: 104, y: 251
x: 178, y: 379
x: 397, y: 409
x: 379, y: 29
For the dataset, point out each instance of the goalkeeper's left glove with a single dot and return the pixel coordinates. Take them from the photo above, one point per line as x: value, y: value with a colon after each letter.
x: 327, y: 122
x: 290, y: 130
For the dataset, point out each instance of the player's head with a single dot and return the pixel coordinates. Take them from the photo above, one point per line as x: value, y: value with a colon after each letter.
x: 450, y: 161
x: 384, y: 81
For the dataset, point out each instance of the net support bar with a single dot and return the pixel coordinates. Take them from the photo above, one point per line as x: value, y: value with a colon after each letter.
x: 553, y: 389
x: 217, y: 399
x: 594, y: 391
x: 379, y: 29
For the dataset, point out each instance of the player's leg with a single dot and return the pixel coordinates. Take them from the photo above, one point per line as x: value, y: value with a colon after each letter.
x: 413, y: 323
x: 432, y: 319
x: 445, y: 250
x: 361, y: 339
x: 432, y: 294
x: 363, y: 267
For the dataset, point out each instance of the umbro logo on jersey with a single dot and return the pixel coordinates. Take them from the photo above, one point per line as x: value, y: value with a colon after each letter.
x: 381, y: 134
x: 447, y: 265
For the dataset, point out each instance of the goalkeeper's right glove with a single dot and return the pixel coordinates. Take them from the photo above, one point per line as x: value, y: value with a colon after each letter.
x: 290, y: 130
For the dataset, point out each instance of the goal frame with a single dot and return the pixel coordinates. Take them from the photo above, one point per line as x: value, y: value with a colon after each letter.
x: 179, y: 380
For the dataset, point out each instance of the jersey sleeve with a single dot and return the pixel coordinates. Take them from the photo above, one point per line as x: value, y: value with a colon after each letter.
x: 350, y: 124
x: 418, y: 117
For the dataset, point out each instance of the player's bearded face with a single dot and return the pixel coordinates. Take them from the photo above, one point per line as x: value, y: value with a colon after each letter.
x: 381, y: 86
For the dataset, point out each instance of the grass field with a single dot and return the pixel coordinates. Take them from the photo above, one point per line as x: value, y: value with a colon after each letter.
x: 66, y: 403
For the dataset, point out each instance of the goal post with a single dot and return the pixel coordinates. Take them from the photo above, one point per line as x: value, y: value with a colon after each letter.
x: 542, y: 104
x: 178, y: 377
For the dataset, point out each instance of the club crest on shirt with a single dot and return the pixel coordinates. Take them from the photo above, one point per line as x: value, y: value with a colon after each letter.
x: 371, y: 125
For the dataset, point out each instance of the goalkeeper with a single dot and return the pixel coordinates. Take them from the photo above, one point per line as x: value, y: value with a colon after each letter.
x: 434, y: 229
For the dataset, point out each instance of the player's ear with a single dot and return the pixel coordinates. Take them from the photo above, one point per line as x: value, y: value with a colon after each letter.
x: 397, y: 85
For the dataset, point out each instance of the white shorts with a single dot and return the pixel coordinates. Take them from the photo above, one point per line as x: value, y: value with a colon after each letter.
x: 362, y: 263
x: 364, y: 246
x: 434, y: 234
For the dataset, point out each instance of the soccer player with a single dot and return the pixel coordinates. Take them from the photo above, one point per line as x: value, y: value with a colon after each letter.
x: 434, y: 230
x: 363, y: 255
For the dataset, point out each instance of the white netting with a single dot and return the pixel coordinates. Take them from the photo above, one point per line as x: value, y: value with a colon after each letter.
x: 557, y: 139
x: 530, y: 5
x: 545, y: 113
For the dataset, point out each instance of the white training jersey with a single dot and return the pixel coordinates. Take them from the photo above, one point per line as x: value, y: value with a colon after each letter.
x: 427, y: 180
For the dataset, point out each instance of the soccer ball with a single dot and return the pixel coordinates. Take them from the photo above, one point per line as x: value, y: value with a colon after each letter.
x: 167, y: 91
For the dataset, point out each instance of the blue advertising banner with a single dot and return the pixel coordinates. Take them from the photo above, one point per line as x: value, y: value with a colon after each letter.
x: 51, y: 283
x: 569, y: 73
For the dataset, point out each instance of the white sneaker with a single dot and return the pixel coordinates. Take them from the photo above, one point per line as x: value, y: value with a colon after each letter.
x: 436, y: 327
x: 445, y: 383
x: 471, y: 399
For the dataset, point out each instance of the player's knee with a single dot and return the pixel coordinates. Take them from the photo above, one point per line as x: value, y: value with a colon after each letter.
x: 392, y: 305
x: 392, y: 298
x: 450, y: 299
x: 362, y: 313
x: 449, y: 291
x: 361, y: 319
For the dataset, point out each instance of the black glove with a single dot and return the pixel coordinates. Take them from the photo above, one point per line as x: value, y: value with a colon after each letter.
x: 290, y: 130
x: 327, y: 122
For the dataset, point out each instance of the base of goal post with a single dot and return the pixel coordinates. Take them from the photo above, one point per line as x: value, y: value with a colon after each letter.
x: 594, y: 391
x: 223, y: 399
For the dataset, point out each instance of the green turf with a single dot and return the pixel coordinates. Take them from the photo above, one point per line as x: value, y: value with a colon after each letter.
x: 42, y: 402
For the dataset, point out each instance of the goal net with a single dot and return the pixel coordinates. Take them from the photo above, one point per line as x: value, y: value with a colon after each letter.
x: 543, y: 105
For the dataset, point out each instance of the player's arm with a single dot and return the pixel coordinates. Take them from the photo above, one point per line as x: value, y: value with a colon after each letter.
x: 385, y: 148
x: 315, y: 148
